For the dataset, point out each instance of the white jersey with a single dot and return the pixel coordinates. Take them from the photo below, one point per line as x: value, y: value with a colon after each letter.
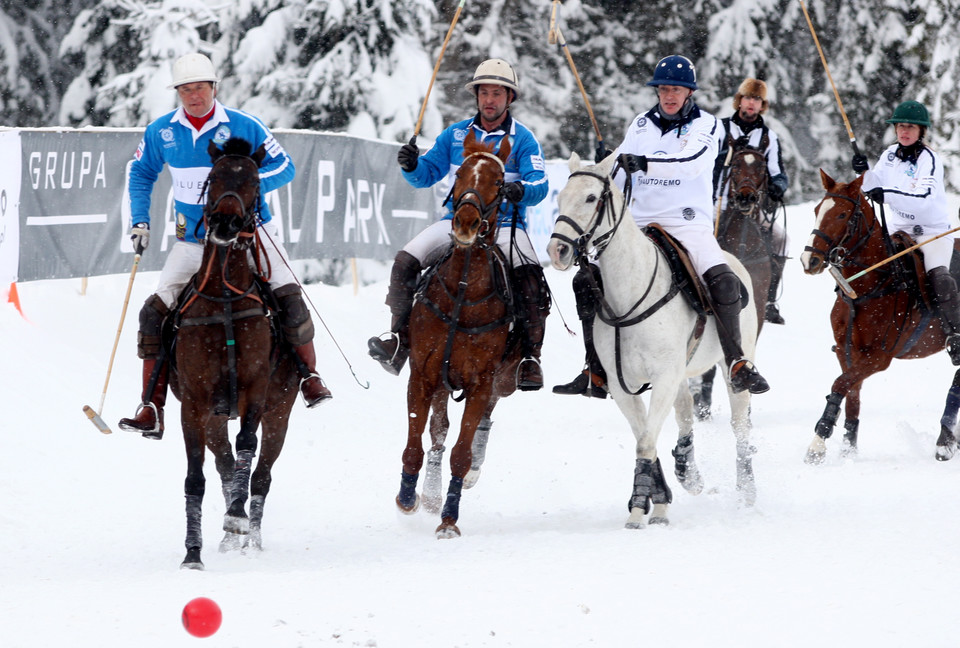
x: 678, y: 183
x: 676, y: 191
x: 913, y: 192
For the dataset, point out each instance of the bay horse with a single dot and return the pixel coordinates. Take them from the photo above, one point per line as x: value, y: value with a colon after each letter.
x: 460, y: 337
x: 228, y: 363
x: 888, y: 319
x: 650, y: 334
x: 740, y: 231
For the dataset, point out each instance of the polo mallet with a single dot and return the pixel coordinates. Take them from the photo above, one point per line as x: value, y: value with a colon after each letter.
x: 845, y: 283
x: 436, y: 68
x: 95, y: 416
x: 816, y: 41
x: 555, y: 36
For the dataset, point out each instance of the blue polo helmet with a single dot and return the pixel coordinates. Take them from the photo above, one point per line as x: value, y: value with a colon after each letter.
x: 675, y: 70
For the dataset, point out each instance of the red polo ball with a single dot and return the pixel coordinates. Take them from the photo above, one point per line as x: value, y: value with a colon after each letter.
x: 201, y: 617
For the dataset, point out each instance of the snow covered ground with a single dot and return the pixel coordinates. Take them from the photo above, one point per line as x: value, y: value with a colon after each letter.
x: 858, y: 552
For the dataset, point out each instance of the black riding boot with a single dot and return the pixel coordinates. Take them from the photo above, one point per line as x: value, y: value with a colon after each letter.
x: 593, y: 380
x: 724, y: 287
x: 149, y: 417
x: 392, y: 353
x: 772, y: 313
x: 297, y: 327
x: 948, y: 303
x: 532, y: 308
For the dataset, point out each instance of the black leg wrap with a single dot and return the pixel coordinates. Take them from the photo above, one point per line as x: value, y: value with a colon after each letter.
x: 851, y: 427
x: 451, y: 507
x: 649, y: 486
x: 830, y: 414
x: 408, y: 490
x: 682, y: 457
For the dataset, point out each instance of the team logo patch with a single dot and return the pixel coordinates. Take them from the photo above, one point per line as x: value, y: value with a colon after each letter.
x: 222, y: 135
x: 689, y: 213
x: 684, y: 129
x: 459, y: 134
x: 918, y: 230
x: 891, y: 156
x: 537, y: 163
x: 181, y: 227
x: 139, y: 153
x: 642, y: 121
x: 166, y: 134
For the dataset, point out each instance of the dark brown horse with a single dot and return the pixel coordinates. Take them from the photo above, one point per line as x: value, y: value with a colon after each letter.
x: 887, y: 319
x: 225, y: 363
x: 743, y: 231
x: 460, y: 335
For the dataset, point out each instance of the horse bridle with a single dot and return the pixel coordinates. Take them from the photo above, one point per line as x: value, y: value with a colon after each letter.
x: 472, y: 198
x: 250, y: 213
x: 836, y: 253
x: 584, y: 237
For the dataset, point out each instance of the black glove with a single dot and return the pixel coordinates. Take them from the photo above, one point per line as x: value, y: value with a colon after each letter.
x: 140, y: 235
x: 513, y: 192
x: 775, y: 192
x: 632, y: 163
x: 876, y: 195
x: 408, y: 155
x: 601, y: 154
x: 860, y: 163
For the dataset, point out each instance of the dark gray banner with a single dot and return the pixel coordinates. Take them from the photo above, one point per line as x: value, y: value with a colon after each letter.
x: 348, y: 200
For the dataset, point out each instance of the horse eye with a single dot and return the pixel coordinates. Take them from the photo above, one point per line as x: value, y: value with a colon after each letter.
x: 591, y: 198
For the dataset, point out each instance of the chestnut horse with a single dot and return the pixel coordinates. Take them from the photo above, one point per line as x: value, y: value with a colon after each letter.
x: 885, y: 320
x: 227, y: 362
x: 460, y: 336
x: 740, y: 232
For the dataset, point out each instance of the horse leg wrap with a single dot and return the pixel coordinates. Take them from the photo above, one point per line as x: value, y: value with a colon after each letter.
x: 408, y: 490
x: 851, y: 427
x: 479, y: 448
x: 194, y: 535
x: 451, y: 507
x: 256, y: 511
x: 294, y: 317
x: 241, y: 478
x: 683, y: 457
x: 649, y: 485
x: 830, y: 414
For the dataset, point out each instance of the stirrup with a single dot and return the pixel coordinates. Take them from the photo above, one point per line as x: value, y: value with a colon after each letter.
x: 319, y: 398
x: 744, y: 376
x: 131, y: 424
x: 529, y: 385
x: 392, y: 362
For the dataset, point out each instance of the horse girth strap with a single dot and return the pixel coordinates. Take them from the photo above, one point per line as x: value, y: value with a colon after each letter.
x: 220, y: 319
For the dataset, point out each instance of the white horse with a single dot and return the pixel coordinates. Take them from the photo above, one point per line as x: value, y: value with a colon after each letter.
x: 661, y: 348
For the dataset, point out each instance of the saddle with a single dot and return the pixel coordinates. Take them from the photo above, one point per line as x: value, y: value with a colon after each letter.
x: 690, y: 284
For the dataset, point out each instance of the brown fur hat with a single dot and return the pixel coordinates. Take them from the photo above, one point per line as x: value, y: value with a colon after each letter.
x: 751, y: 88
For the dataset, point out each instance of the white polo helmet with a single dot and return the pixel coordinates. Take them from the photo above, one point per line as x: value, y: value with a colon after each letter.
x: 192, y: 68
x: 496, y: 71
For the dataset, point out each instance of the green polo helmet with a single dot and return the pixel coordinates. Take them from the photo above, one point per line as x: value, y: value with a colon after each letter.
x: 910, y: 112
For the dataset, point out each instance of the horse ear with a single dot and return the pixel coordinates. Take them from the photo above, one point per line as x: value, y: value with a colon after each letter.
x: 213, y: 151
x: 504, y: 152
x: 856, y: 184
x: 605, y: 166
x: 259, y: 154
x: 828, y: 182
x: 574, y: 162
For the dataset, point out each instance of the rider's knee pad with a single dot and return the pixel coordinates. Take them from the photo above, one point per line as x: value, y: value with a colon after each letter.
x: 294, y: 316
x: 151, y: 321
x: 723, y: 284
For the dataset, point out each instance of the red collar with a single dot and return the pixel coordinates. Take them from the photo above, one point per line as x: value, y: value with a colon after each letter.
x: 198, y: 122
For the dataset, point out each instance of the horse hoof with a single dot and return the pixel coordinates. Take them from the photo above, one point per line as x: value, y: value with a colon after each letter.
x: 192, y: 560
x: 408, y: 510
x: 432, y: 504
x: 471, y: 478
x: 636, y: 519
x: 693, y: 483
x: 848, y: 451
x: 817, y: 451
x: 748, y: 493
x: 234, y: 524
x: 659, y: 521
x: 230, y: 542
x: 447, y: 530
x: 253, y: 542
x: 945, y: 453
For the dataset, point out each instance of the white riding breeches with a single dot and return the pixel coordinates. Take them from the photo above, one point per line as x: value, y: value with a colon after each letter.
x: 429, y: 245
x: 185, y: 258
x: 702, y: 248
x: 936, y: 253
